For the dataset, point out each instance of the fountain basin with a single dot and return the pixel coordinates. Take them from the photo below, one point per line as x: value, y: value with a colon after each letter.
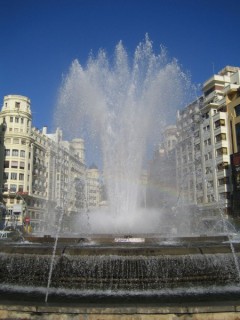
x: 101, y: 265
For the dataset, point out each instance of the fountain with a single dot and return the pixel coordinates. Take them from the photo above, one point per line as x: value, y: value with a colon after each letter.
x: 127, y: 255
x: 121, y: 108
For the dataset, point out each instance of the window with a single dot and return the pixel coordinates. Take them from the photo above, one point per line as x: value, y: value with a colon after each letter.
x: 210, y: 198
x: 196, y: 134
x: 208, y: 170
x: 16, y: 119
x: 5, y: 175
x: 210, y: 184
x: 13, y: 187
x: 20, y: 188
x: 237, y: 128
x: 22, y: 153
x: 22, y: 165
x: 207, y: 142
x: 22, y: 120
x: 206, y: 128
x: 14, y: 152
x: 197, y: 147
x: 21, y: 176
x: 11, y: 119
x: 237, y: 179
x: 17, y: 104
x: 13, y: 176
x: 14, y: 164
x: 4, y: 125
x: 6, y: 164
x: 208, y: 156
x: 219, y: 123
x: 237, y: 110
x: 7, y: 152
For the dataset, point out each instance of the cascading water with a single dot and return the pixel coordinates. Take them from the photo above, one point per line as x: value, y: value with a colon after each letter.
x: 125, y: 104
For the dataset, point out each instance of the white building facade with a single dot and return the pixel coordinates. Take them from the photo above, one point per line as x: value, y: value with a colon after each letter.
x: 39, y: 171
x: 204, y: 147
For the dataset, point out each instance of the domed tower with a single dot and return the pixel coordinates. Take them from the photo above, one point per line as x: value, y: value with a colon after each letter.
x: 16, y: 113
x: 15, y: 141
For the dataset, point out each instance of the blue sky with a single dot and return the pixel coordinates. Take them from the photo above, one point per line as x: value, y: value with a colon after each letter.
x: 40, y: 39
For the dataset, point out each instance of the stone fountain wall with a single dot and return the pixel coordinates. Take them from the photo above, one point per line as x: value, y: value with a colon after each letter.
x: 198, y: 312
x: 118, y: 268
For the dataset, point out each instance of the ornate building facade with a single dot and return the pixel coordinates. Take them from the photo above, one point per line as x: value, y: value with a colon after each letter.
x: 38, y: 171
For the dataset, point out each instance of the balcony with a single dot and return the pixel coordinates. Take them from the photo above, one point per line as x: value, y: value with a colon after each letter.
x: 230, y: 88
x: 222, y: 174
x: 219, y: 115
x: 220, y: 144
x: 214, y: 96
x: 223, y: 188
x: 214, y: 79
x: 222, y: 158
